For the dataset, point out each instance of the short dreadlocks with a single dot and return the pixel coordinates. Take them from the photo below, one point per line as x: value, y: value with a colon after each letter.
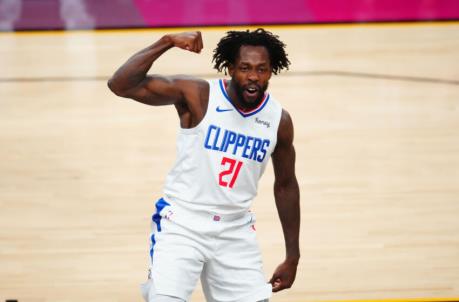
x: 228, y: 48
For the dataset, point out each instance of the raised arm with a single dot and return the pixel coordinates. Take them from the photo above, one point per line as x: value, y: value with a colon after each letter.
x: 187, y: 93
x: 287, y: 196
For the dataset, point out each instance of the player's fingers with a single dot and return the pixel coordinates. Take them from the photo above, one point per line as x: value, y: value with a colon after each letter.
x: 281, y: 285
x: 273, y: 278
x: 278, y: 285
x: 200, y: 43
x: 192, y: 41
x: 198, y: 47
x: 195, y: 47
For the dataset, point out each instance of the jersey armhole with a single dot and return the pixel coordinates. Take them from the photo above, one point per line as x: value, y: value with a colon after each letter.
x: 279, y: 117
x: 196, y: 128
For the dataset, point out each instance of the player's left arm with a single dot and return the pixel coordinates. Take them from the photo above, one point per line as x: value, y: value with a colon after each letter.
x: 287, y: 196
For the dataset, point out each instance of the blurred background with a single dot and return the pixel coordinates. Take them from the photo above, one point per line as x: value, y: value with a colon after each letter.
x: 373, y: 91
x: 91, y: 14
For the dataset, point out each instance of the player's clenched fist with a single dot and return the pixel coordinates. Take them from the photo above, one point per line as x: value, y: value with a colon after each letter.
x: 191, y: 40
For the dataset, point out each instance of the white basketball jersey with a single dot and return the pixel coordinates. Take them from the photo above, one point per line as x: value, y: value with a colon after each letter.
x: 220, y: 161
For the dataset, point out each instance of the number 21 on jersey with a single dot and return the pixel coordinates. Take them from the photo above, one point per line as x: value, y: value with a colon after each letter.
x: 228, y: 177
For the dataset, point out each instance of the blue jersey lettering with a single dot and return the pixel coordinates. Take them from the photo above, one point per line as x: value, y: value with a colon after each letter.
x: 247, y: 147
x: 218, y: 139
x: 263, y: 150
x: 209, y: 132
x: 239, y: 142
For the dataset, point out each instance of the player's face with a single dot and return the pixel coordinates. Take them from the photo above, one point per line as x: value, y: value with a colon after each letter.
x: 250, y: 75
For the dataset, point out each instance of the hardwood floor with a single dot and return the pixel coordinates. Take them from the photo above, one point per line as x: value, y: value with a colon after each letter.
x: 376, y: 115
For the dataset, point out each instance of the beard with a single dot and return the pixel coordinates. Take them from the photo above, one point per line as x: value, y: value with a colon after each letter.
x: 249, y: 105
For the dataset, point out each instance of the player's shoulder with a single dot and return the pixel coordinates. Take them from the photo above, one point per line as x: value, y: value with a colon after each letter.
x: 277, y: 105
x: 193, y: 89
x: 286, y: 118
x: 190, y: 82
x: 274, y: 102
x: 285, y: 129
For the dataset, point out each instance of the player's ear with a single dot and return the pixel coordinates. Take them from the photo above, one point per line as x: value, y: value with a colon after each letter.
x: 231, y: 69
x: 270, y: 70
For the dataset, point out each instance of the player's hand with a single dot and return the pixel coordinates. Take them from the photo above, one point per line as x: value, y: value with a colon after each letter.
x: 284, y: 275
x: 191, y: 40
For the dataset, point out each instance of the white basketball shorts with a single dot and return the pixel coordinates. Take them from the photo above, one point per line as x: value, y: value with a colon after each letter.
x: 221, y: 249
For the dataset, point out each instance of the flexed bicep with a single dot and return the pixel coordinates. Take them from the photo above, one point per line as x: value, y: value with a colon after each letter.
x: 131, y: 79
x: 159, y: 90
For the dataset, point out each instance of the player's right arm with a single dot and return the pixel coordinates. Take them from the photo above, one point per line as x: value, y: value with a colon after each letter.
x: 131, y: 79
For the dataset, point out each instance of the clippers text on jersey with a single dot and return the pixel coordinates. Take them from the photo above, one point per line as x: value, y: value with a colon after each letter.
x: 223, y: 140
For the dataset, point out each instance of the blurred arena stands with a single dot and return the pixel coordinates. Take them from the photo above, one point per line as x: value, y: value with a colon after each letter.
x: 91, y: 14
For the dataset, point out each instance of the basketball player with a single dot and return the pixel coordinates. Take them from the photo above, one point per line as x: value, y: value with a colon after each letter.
x: 229, y: 129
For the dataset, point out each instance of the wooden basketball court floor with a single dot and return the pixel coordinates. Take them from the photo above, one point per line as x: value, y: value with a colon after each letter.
x: 376, y: 114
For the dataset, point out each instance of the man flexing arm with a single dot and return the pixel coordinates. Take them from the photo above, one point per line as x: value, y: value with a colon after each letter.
x: 190, y: 98
x: 287, y: 196
x: 189, y: 95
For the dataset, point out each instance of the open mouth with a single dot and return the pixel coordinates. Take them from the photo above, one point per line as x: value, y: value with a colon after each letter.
x: 252, y: 91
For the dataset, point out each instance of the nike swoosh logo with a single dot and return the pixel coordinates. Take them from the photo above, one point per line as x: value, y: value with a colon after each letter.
x: 223, y: 110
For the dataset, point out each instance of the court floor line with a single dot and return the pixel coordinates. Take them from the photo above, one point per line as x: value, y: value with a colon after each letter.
x: 288, y: 74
